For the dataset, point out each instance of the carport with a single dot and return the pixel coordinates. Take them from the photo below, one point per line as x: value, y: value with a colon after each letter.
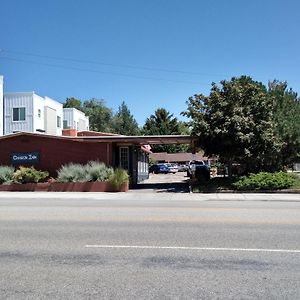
x: 131, y: 152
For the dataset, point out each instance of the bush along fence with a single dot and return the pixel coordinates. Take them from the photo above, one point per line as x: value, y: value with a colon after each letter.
x: 265, y: 181
x: 92, y: 177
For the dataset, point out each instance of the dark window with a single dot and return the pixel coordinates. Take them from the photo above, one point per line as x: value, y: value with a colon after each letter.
x: 58, y: 119
x: 124, y: 158
x: 19, y: 114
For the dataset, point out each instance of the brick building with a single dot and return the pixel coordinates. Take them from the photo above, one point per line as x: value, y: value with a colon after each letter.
x: 50, y: 152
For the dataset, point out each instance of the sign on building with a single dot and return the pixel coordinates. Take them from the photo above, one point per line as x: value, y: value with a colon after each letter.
x: 18, y: 158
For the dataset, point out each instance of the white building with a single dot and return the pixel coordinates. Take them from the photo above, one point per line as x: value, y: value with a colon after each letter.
x: 1, y: 106
x: 29, y: 112
x: 75, y: 119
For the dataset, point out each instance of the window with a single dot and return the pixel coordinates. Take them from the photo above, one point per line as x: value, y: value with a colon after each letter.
x: 58, y: 119
x: 124, y: 158
x: 19, y: 114
x: 39, y: 113
x: 65, y: 124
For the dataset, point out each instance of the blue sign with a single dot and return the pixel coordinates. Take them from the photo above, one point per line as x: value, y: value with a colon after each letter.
x: 18, y: 158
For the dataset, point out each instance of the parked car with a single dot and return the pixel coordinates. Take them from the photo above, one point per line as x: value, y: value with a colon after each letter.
x: 173, y: 168
x: 199, y: 168
x: 159, y: 168
x: 182, y: 168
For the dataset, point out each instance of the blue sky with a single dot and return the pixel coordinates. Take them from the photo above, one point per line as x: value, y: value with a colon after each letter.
x: 150, y: 54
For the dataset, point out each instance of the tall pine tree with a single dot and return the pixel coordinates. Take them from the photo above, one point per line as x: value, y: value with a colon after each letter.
x: 124, y: 123
x: 287, y: 121
x: 162, y: 122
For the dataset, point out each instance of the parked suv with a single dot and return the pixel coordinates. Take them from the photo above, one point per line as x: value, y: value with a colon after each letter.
x: 199, y: 168
x: 173, y: 168
x: 159, y: 168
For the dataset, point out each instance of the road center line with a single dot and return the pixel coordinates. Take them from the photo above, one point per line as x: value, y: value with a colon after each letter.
x: 194, y: 248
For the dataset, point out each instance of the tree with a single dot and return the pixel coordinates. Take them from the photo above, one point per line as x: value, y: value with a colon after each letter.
x: 100, y: 115
x: 73, y: 102
x: 287, y: 120
x: 163, y: 123
x: 124, y: 122
x: 236, y: 123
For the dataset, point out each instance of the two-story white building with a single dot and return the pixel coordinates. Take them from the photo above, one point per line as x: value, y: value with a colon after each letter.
x: 75, y: 119
x: 29, y: 112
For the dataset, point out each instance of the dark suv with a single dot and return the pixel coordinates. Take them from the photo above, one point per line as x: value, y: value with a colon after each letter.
x: 200, y: 169
x: 159, y: 168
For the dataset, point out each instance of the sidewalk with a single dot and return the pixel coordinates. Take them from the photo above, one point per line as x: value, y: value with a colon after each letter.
x: 132, y: 195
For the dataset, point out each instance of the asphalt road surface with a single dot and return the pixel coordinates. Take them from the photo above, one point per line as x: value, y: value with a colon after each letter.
x: 128, y: 247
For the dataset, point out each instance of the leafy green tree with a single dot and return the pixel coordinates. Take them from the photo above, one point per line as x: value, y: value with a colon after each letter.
x: 236, y: 123
x: 287, y: 120
x: 100, y: 115
x: 163, y: 123
x: 124, y: 122
x: 73, y: 102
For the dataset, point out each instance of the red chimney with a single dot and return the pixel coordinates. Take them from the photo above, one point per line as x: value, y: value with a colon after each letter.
x: 69, y: 132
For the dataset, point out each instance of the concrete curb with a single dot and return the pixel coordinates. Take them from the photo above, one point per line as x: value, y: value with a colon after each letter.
x: 164, y: 196
x: 290, y: 191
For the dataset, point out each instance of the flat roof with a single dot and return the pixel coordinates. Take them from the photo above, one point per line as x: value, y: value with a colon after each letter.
x: 134, y: 140
x: 145, y: 139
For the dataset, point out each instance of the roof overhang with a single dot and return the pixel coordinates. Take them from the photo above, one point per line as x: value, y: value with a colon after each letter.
x: 145, y: 139
x: 120, y: 139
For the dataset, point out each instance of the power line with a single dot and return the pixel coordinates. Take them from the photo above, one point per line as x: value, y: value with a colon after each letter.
x: 110, y: 64
x: 113, y: 65
x: 100, y: 72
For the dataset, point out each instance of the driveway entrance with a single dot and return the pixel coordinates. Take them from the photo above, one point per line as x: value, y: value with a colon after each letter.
x: 164, y: 183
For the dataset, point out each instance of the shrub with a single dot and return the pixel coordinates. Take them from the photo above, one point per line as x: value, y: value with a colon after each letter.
x: 72, y: 173
x: 92, y: 171
x: 6, y: 174
x: 98, y: 171
x: 265, y: 181
x: 29, y: 175
x: 119, y: 177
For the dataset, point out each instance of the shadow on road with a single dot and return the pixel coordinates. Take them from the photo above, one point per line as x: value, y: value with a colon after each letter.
x: 174, y: 187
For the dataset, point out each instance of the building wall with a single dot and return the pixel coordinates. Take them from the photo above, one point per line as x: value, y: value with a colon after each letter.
x: 53, y: 109
x: 1, y: 107
x: 75, y: 119
x: 142, y: 166
x: 54, y: 152
x: 38, y: 114
x: 18, y: 100
x: 50, y: 120
x: 68, y: 120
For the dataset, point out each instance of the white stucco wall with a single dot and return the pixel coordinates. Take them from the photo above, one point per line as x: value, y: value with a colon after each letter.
x: 40, y: 113
x: 18, y: 100
x: 38, y: 106
x: 76, y: 119
x: 1, y: 107
x: 51, y: 121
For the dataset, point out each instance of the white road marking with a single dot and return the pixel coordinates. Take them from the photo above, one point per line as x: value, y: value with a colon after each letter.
x: 194, y: 248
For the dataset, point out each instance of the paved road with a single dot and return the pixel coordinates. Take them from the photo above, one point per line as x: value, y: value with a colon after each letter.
x: 56, y: 248
x: 160, y: 183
